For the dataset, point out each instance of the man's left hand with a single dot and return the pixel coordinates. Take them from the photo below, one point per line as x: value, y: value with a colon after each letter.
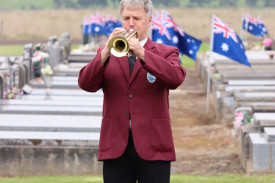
x: 136, y: 48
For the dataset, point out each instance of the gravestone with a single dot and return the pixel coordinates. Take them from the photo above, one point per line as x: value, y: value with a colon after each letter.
x: 1, y: 85
x: 65, y: 43
x: 259, y: 152
x: 27, y: 58
x: 229, y: 106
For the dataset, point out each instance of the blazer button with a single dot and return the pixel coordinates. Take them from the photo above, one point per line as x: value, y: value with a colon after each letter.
x: 131, y: 95
x: 126, y: 113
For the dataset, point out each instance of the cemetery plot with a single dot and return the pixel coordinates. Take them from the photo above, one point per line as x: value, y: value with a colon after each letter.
x: 244, y: 98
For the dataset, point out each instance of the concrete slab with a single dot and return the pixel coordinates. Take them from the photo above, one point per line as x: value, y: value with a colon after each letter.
x: 67, y: 92
x: 73, y: 102
x: 259, y: 106
x: 269, y: 134
x: 256, y: 82
x: 79, y: 98
x: 56, y: 84
x: 250, y: 74
x: 255, y: 96
x: 69, y: 123
x: 65, y: 110
x: 49, y: 135
x: 232, y: 89
x: 224, y: 68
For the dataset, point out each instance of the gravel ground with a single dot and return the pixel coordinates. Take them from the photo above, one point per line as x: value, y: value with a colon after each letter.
x: 203, y: 145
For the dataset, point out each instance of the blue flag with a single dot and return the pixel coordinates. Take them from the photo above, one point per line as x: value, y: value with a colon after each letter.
x: 86, y: 26
x: 262, y: 27
x: 166, y: 31
x: 227, y: 43
x: 188, y: 45
x: 253, y: 26
x: 110, y: 26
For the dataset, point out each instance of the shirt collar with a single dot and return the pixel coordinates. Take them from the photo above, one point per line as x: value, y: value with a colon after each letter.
x: 143, y: 42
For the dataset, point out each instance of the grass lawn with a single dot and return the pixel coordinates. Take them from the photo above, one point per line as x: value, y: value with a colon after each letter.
x: 11, y: 50
x: 175, y: 178
x: 17, y: 50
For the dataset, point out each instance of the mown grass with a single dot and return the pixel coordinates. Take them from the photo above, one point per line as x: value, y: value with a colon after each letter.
x: 175, y: 178
x: 17, y: 50
x: 11, y: 50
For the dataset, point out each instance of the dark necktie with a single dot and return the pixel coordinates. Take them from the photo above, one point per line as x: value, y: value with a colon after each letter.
x: 132, y: 61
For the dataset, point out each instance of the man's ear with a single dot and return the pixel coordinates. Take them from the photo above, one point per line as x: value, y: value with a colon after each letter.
x: 149, y: 22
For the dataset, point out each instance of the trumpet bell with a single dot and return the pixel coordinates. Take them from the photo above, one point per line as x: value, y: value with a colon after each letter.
x: 119, y: 46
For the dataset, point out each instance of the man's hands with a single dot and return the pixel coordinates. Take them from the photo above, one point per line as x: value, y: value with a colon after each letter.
x: 136, y: 48
x: 134, y: 44
x: 105, y: 52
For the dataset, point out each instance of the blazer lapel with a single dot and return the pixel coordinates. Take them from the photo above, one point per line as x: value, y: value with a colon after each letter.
x: 135, y: 70
x: 148, y: 46
x: 124, y: 64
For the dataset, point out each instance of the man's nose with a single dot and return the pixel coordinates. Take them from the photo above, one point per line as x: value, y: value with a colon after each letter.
x: 131, y: 23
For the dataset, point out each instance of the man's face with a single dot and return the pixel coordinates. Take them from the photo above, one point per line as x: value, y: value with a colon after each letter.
x: 136, y: 19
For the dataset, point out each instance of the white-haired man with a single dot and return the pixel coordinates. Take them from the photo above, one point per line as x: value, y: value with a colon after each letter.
x: 136, y: 142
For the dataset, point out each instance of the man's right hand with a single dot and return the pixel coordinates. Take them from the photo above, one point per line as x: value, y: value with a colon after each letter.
x: 105, y: 52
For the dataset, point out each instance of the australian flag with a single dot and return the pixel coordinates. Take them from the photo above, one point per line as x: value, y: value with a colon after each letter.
x: 227, y: 43
x: 96, y: 26
x: 166, y: 31
x: 262, y: 27
x: 110, y: 24
x: 254, y: 26
x: 86, y: 26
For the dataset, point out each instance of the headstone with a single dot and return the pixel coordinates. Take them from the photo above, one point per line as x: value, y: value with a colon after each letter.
x: 259, y: 152
x: 1, y: 85
x: 229, y: 106
x: 65, y: 43
x: 27, y: 58
x: 14, y: 73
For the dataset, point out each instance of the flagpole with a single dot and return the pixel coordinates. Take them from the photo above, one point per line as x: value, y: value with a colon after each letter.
x: 258, y: 37
x: 241, y: 33
x: 208, y: 67
x: 246, y: 27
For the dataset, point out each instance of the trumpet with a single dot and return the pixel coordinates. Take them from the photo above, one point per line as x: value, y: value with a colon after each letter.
x: 119, y: 46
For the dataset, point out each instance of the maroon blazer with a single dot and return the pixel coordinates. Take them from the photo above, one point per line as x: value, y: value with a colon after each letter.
x: 143, y: 96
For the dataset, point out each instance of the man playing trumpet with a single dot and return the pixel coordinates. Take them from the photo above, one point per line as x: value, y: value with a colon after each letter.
x: 136, y: 140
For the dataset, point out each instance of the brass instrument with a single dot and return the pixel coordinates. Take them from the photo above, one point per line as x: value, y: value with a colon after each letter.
x: 119, y: 45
